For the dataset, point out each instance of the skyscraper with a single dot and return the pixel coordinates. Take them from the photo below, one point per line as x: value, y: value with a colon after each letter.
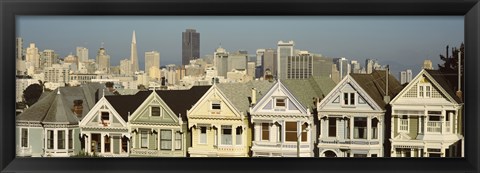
x: 190, y: 45
x: 409, y: 75
x: 134, y: 55
x: 48, y: 58
x: 220, y: 60
x: 82, y: 54
x: 125, y: 67
x: 284, y: 49
x: 103, y: 60
x: 19, y: 52
x: 343, y: 67
x: 300, y: 66
x: 152, y: 59
x: 403, y: 77
x: 270, y: 61
x: 32, y: 57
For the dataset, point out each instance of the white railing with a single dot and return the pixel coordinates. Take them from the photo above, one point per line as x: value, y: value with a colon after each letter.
x: 231, y: 148
x: 434, y: 126
x: 352, y: 142
x: 141, y: 151
x: 280, y: 145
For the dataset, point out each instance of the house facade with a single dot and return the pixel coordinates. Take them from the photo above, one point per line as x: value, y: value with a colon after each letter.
x: 351, y: 117
x: 283, y: 119
x: 219, y: 122
x: 48, y: 129
x: 159, y: 126
x: 426, y: 118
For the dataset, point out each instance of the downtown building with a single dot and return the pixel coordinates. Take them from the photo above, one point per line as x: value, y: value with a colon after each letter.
x: 103, y: 60
x: 284, y: 49
x: 190, y: 46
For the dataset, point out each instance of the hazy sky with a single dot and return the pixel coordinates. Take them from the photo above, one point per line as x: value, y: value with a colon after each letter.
x: 401, y: 41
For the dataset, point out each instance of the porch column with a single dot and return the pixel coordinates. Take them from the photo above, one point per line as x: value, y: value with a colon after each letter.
x: 351, y: 119
x: 256, y: 131
x: 443, y: 118
x: 369, y: 128
x: 425, y: 115
x: 450, y: 117
x: 158, y: 140
x: 234, y: 135
x: 102, y: 145
x: 172, y: 140
x: 412, y: 152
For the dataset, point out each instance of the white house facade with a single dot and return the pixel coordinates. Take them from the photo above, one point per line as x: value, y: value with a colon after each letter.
x: 426, y: 118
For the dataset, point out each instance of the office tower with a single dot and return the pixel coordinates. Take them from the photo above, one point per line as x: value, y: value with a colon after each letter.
x: 71, y: 59
x: 284, y: 49
x: 355, y: 66
x: 48, y: 58
x: 190, y: 46
x: 299, y: 66
x: 32, y: 57
x: 343, y: 67
x: 57, y: 74
x: 260, y: 53
x: 409, y: 75
x: 126, y: 67
x: 403, y: 77
x: 19, y: 48
x: 171, y: 74
x: 427, y: 64
x: 237, y: 61
x: 152, y: 59
x: 369, y: 63
x: 322, y: 66
x: 103, y: 60
x: 220, y: 61
x: 82, y: 54
x: 251, y: 66
x: 134, y: 55
x: 270, y: 61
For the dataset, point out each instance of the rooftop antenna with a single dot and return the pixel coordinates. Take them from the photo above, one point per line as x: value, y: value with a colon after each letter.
x: 459, y: 66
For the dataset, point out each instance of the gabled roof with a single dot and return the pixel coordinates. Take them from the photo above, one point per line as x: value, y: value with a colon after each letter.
x: 180, y: 101
x: 374, y: 85
x: 125, y: 104
x: 439, y: 77
x: 37, y: 112
x: 305, y: 90
x: 240, y: 94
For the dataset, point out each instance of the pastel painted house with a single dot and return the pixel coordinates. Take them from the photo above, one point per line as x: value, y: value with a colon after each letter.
x: 158, y: 126
x: 284, y: 117
x: 426, y: 118
x: 219, y: 121
x: 105, y: 130
x: 352, y: 116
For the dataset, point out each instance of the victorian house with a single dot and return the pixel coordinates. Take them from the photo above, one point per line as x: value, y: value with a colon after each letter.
x: 158, y: 126
x: 49, y: 128
x: 283, y: 119
x: 219, y: 121
x: 104, y: 129
x: 426, y: 118
x: 352, y: 116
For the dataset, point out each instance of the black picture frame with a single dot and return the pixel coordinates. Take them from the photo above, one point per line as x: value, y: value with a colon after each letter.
x: 470, y: 9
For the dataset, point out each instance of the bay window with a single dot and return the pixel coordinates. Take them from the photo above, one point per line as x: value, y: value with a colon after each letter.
x: 332, y: 127
x: 61, y: 139
x: 143, y: 138
x: 203, y: 135
x: 265, y: 131
x: 226, y: 135
x: 165, y: 139
x: 24, y: 139
x: 360, y: 127
x: 291, y: 131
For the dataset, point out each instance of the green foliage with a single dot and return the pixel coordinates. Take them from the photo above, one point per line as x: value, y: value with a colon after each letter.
x: 32, y: 93
x: 450, y: 66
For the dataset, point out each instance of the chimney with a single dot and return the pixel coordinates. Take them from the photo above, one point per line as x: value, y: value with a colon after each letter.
x: 459, y: 66
x: 386, y: 98
x: 254, y: 96
x: 446, y: 52
x: 78, y: 107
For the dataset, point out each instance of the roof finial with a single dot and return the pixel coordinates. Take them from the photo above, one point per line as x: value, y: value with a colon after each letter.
x: 103, y: 92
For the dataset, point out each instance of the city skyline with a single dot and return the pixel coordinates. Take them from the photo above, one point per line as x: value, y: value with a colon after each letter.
x: 402, y: 42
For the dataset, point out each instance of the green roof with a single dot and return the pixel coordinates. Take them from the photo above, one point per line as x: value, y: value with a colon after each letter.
x: 305, y: 90
x: 239, y: 94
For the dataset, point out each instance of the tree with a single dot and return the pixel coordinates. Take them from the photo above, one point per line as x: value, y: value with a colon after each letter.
x: 32, y: 93
x: 450, y: 67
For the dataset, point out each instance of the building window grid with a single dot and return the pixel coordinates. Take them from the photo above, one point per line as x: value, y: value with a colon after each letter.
x: 403, y: 123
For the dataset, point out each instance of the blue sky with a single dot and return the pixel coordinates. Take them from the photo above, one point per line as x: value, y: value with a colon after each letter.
x: 401, y: 41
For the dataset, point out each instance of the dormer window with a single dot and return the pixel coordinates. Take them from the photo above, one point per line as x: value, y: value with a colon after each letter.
x: 156, y: 111
x: 349, y: 99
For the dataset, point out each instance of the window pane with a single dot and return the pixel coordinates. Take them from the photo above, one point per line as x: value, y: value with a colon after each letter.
x: 24, y: 138
x: 304, y: 132
x: 360, y: 127
x: 291, y: 131
x: 345, y: 98
x: 60, y: 139
x: 203, y: 135
x: 50, y: 139
x: 155, y: 111
x: 216, y: 106
x: 239, y: 132
x: 280, y: 102
x: 165, y: 139
x: 352, y: 98
x: 178, y: 140
x: 265, y: 131
x: 144, y: 139
x: 226, y: 135
x: 332, y: 127
x: 106, y: 140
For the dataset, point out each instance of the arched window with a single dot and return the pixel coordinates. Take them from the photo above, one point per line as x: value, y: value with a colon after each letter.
x: 330, y: 154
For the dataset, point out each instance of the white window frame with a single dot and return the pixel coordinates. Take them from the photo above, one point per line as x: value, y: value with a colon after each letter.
x: 349, y: 98
x: 108, y: 122
x: 141, y: 140
x: 21, y: 137
x: 177, y: 133
x: 214, y: 103
x: 402, y: 127
x: 261, y: 131
x: 284, y: 102
x: 200, y: 135
x: 226, y: 127
x: 422, y: 90
x: 162, y: 139
x: 160, y: 111
x: 237, y: 141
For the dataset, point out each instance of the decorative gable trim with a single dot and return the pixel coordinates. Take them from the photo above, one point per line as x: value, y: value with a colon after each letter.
x: 267, y: 99
x: 102, y: 104
x: 153, y: 99
x: 336, y: 93
x: 214, y: 91
x: 413, y: 84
